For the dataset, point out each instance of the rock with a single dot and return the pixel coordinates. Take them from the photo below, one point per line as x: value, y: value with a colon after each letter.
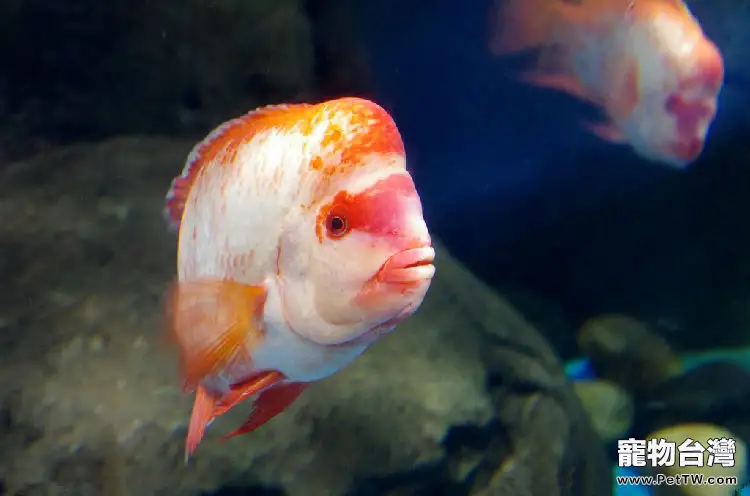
x: 542, y: 443
x: 700, y: 433
x: 609, y: 407
x: 625, y: 351
x: 710, y: 393
x: 89, y: 395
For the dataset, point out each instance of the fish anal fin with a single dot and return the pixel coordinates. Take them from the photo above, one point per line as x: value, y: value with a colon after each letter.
x: 221, y: 145
x: 557, y: 81
x: 270, y: 403
x: 200, y: 417
x: 606, y: 131
x: 215, y: 324
x: 247, y: 388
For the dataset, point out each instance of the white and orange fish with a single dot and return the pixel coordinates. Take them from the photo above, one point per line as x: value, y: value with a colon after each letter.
x: 646, y: 63
x: 301, y: 241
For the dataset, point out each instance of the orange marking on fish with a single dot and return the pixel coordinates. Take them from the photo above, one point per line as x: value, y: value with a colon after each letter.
x: 316, y: 163
x: 372, y: 131
x: 332, y: 137
x: 383, y: 137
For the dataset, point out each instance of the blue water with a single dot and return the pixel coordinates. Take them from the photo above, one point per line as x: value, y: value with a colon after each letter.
x: 581, y: 370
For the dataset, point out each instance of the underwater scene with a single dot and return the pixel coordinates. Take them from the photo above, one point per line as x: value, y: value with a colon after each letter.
x: 348, y: 248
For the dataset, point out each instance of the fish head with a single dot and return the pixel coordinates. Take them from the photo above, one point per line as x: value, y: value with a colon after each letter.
x: 360, y: 259
x: 680, y: 75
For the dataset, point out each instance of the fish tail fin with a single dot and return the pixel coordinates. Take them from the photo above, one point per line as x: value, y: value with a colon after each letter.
x: 215, y: 325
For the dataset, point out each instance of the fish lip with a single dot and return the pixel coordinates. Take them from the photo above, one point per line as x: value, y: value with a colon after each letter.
x: 409, y: 266
x: 684, y: 101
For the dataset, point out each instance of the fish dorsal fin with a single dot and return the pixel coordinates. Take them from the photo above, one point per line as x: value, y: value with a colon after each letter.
x: 678, y: 5
x: 513, y: 28
x: 518, y: 26
x: 552, y: 35
x: 224, y: 139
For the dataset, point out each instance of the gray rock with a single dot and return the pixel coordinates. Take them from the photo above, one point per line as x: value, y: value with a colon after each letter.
x: 88, y: 389
x: 715, y: 392
x: 627, y: 352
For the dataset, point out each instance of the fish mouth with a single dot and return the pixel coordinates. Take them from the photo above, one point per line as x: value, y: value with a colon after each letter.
x: 408, y: 266
x: 690, y: 106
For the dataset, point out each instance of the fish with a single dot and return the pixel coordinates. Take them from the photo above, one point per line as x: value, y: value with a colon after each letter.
x: 301, y: 241
x: 646, y: 64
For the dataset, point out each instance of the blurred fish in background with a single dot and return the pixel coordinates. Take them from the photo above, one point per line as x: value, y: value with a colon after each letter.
x: 571, y: 213
x: 646, y: 63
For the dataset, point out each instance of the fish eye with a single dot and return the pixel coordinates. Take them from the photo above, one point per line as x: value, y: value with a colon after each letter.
x: 336, y: 225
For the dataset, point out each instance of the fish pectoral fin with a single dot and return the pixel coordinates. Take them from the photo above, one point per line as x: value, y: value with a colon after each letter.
x: 215, y: 324
x: 557, y: 81
x: 270, y: 403
x: 628, y: 95
x: 606, y: 131
x: 200, y: 417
